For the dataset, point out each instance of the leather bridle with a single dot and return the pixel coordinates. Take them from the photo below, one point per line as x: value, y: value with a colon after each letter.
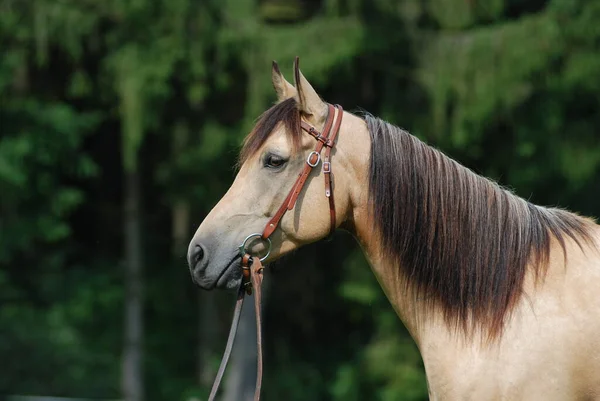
x: 252, y: 266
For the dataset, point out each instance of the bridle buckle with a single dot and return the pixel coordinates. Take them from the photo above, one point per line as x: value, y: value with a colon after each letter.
x: 310, y: 157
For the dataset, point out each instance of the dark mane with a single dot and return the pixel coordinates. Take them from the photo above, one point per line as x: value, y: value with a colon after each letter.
x: 286, y: 113
x: 462, y: 242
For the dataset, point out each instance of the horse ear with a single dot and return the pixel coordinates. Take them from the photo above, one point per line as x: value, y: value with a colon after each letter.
x: 309, y: 101
x: 284, y: 89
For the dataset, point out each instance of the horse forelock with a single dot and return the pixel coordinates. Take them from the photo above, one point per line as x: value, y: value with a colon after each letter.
x: 285, y: 112
x: 463, y: 243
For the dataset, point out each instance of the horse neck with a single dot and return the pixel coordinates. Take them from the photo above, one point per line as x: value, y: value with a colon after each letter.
x: 354, y: 144
x: 416, y: 311
x: 409, y: 309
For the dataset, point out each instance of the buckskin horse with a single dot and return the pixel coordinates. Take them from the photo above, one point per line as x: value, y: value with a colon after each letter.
x: 501, y: 296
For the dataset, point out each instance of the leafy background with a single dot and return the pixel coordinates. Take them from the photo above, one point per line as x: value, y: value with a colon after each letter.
x: 120, y: 122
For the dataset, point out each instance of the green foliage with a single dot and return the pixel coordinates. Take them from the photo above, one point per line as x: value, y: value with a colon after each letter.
x: 38, y: 153
x: 390, y: 360
x: 170, y: 88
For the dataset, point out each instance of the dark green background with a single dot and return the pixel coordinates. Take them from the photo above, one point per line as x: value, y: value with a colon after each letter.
x: 95, y: 91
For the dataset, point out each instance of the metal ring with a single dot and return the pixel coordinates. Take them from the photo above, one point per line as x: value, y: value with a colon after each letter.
x: 242, y: 247
x: 310, y: 155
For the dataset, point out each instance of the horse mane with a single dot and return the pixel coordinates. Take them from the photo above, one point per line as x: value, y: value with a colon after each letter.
x: 462, y: 242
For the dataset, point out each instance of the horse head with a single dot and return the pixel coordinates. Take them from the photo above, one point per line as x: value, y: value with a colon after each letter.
x: 260, y: 212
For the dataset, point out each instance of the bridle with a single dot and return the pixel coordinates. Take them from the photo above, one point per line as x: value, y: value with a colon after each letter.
x: 252, y: 267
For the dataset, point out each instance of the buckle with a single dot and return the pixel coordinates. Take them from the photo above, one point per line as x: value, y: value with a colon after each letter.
x: 310, y: 156
x: 327, y: 167
x: 317, y: 135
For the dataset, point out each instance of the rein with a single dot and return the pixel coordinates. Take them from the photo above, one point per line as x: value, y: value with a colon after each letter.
x: 252, y: 267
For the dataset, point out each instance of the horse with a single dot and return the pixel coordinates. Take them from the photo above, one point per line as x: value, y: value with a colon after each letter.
x: 500, y: 295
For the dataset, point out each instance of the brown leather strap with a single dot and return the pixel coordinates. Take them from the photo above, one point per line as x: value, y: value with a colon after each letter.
x: 252, y: 279
x: 290, y: 200
x: 230, y: 340
x: 327, y: 140
x: 327, y: 170
x: 256, y: 278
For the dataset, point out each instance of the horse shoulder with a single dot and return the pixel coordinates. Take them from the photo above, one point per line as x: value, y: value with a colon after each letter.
x: 550, y: 348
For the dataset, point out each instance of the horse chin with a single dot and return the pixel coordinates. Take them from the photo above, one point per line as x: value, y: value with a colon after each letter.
x: 231, y: 277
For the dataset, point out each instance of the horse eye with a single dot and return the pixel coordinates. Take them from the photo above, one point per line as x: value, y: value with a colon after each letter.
x: 274, y: 161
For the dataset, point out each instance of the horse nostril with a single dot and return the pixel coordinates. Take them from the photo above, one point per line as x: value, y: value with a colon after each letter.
x: 199, y: 253
x: 196, y: 255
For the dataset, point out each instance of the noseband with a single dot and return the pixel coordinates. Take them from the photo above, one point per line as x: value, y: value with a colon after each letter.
x: 252, y: 266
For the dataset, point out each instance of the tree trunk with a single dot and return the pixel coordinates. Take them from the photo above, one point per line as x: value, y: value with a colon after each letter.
x: 208, y: 332
x: 180, y: 213
x: 208, y: 329
x: 132, y: 378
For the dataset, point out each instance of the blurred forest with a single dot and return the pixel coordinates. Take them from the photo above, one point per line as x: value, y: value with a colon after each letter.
x: 120, y: 123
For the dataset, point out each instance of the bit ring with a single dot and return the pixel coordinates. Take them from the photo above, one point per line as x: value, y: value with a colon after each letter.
x: 242, y: 248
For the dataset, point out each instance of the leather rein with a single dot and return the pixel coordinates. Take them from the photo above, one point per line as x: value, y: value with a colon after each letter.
x: 252, y: 267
